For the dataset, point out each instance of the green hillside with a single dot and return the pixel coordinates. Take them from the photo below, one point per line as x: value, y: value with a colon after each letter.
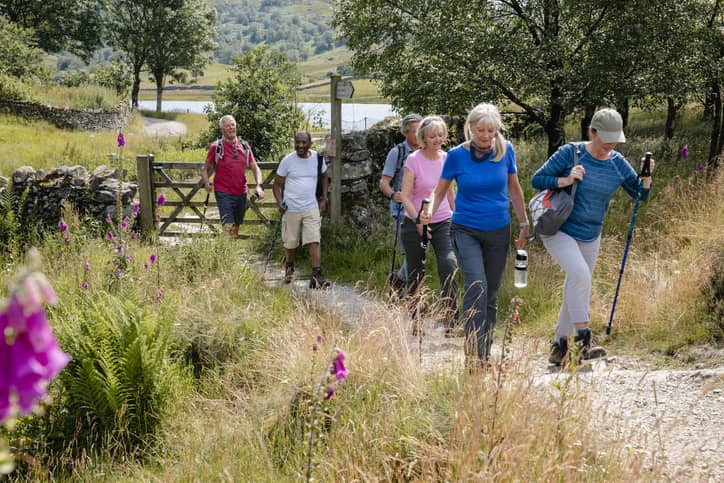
x: 298, y: 28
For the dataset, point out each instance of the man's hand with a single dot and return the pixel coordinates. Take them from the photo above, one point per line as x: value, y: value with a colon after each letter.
x: 259, y: 191
x: 208, y: 186
x: 322, y: 206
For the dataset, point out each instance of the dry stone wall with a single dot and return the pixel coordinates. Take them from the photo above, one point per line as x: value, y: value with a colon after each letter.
x: 69, y: 118
x: 40, y: 196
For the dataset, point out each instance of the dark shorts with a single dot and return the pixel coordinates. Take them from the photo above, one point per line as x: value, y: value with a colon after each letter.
x: 231, y: 207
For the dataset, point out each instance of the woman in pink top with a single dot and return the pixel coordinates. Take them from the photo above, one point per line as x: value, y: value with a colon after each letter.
x: 421, y: 174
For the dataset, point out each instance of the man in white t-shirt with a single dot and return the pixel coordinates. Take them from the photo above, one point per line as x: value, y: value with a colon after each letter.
x: 295, y: 190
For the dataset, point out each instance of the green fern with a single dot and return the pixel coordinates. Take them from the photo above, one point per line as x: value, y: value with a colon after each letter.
x: 120, y: 382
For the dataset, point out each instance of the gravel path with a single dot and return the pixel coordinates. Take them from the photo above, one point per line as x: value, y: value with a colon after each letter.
x: 677, y: 413
x: 162, y: 127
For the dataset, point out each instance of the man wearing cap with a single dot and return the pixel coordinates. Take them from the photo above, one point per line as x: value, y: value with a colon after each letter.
x: 391, y: 183
x: 600, y: 172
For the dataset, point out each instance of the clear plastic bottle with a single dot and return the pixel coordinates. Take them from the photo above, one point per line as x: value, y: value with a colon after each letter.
x: 521, y: 269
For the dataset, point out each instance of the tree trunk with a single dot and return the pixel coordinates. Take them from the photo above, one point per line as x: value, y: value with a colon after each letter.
x: 159, y: 93
x: 554, y: 128
x: 588, y: 111
x: 622, y: 106
x: 135, y: 89
x: 670, y: 118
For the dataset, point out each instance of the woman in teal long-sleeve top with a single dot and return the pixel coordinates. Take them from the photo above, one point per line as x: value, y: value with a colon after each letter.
x: 601, y: 171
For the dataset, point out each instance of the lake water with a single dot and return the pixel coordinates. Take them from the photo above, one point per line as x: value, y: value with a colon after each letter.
x: 355, y: 117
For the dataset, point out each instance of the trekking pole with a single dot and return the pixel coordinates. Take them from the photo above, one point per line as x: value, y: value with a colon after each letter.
x: 425, y: 241
x: 277, y: 230
x: 394, y: 246
x: 645, y: 171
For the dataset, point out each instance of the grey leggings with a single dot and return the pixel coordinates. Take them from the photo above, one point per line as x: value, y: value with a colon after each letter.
x: 577, y: 259
x: 481, y: 256
x: 446, y: 263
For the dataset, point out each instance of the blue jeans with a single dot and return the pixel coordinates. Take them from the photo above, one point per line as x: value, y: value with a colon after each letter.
x: 231, y: 207
x: 481, y: 257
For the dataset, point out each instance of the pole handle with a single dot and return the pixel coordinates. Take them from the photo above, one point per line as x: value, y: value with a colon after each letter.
x: 646, y: 169
x: 424, y: 242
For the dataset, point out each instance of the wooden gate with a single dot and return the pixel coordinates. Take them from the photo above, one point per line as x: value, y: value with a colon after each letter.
x: 188, y: 203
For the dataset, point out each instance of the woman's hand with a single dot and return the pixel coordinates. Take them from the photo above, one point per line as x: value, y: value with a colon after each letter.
x: 576, y: 174
x: 522, y: 238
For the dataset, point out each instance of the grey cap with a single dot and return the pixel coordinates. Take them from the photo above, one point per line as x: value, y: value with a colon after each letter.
x: 609, y: 126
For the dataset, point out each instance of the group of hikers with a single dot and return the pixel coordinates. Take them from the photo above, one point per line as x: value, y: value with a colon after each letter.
x: 469, y: 227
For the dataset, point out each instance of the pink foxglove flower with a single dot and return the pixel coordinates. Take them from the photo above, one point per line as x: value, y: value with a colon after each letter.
x: 152, y: 258
x: 84, y: 285
x: 685, y: 152
x: 136, y: 209
x: 63, y: 226
x: 701, y: 167
x: 340, y: 372
x: 161, y: 200
x: 29, y: 353
x: 330, y: 393
x: 86, y: 265
x: 121, y: 139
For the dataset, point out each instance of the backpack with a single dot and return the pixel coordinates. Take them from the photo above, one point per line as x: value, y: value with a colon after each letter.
x: 401, y: 157
x: 550, y: 208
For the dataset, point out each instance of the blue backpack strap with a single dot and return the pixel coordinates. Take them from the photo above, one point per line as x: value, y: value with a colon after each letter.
x: 401, y: 157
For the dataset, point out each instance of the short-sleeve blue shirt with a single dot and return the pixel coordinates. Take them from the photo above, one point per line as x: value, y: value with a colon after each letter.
x: 482, y: 201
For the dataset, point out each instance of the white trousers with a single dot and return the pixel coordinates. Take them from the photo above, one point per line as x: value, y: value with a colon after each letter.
x: 577, y: 260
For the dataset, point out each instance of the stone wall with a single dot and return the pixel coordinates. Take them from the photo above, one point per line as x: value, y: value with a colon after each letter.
x: 68, y: 118
x: 40, y: 196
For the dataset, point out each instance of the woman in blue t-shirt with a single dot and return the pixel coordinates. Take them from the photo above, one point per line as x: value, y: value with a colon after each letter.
x: 487, y: 181
x: 575, y: 245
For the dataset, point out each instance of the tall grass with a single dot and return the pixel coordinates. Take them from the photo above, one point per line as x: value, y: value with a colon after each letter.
x: 250, y: 365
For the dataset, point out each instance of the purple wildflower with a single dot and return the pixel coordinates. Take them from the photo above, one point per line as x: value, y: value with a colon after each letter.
x: 110, y: 236
x: 108, y: 219
x: 66, y: 238
x: 63, y: 226
x: 340, y: 372
x: 29, y: 353
x: 133, y: 235
x: 701, y: 167
x: 84, y: 285
x: 86, y: 265
x: 145, y: 265
x: 685, y: 152
x: 121, y: 139
x: 136, y: 209
x: 319, y: 338
x: 152, y: 258
x: 120, y: 272
x: 330, y: 393
x: 124, y: 223
x: 161, y: 200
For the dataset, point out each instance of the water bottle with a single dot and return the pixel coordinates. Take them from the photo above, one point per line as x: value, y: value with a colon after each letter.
x: 521, y: 269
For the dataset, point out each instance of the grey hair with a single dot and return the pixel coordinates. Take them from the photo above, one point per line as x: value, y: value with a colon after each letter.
x: 225, y: 118
x: 409, y: 119
x: 490, y: 116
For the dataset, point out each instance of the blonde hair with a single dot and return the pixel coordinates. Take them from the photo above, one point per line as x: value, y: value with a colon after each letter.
x: 430, y: 124
x: 490, y: 116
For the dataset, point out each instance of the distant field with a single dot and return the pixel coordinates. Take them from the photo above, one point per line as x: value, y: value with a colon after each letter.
x: 313, y: 70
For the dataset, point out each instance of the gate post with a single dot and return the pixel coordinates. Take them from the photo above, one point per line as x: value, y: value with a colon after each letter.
x: 145, y: 193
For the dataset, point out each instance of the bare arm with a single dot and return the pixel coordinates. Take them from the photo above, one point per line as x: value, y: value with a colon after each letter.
x: 323, y: 200
x: 518, y: 200
x: 442, y: 189
x: 386, y: 187
x: 408, y: 182
x: 278, y: 190
x: 257, y: 177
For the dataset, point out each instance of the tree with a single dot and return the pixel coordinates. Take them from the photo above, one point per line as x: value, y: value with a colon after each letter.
x: 19, y: 57
x: 546, y: 57
x: 137, y: 28
x: 76, y: 26
x: 182, y: 42
x: 260, y: 95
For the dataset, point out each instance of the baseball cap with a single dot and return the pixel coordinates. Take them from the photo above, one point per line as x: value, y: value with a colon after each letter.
x: 609, y: 126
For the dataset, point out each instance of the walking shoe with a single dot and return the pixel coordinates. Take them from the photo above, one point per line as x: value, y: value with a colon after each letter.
x: 289, y: 272
x: 398, y: 287
x: 559, y: 349
x: 583, y: 340
x: 317, y: 280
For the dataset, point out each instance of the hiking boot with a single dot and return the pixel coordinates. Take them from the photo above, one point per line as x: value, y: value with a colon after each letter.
x: 317, y: 280
x: 559, y: 349
x: 398, y: 286
x: 583, y: 340
x: 289, y: 272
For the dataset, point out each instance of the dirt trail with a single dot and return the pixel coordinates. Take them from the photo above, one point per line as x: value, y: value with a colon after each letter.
x: 162, y: 127
x: 679, y: 413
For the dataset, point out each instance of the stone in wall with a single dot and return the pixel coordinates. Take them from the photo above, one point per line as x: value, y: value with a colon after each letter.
x: 46, y: 194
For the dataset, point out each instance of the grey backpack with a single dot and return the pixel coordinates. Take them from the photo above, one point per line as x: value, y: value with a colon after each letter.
x: 550, y: 208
